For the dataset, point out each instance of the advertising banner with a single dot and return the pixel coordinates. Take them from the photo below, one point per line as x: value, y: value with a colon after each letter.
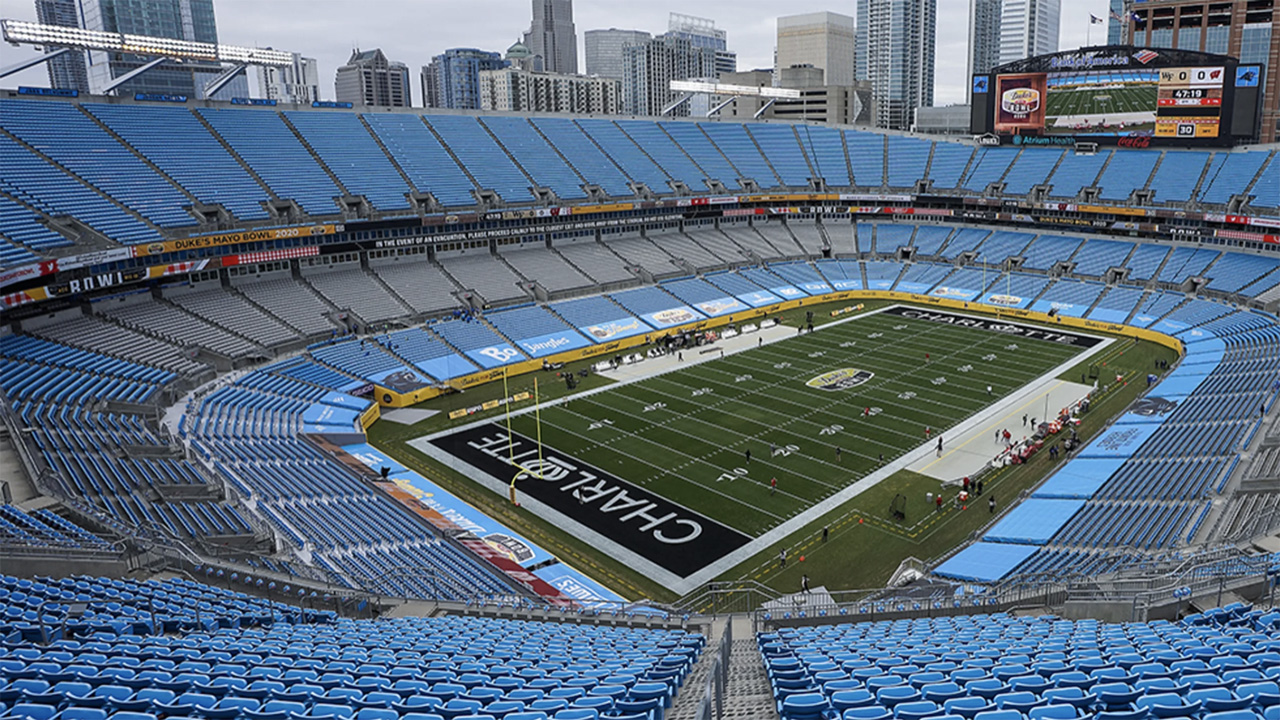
x: 343, y: 400
x: 787, y: 292
x: 670, y: 318
x: 721, y: 306
x: 614, y: 329
x: 954, y: 293
x: 573, y: 584
x: 1063, y: 308
x: 815, y: 288
x: 494, y: 355
x: 759, y: 298
x: 552, y: 343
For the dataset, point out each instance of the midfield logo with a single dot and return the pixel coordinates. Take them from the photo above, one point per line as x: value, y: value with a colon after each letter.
x: 841, y: 379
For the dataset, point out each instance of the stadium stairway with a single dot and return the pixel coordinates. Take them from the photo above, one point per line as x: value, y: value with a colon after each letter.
x: 373, y: 276
x: 226, y: 146
x: 707, y: 174
x: 747, y: 695
x: 458, y: 161
x: 1258, y: 175
x: 315, y: 156
x: 95, y: 240
x: 386, y: 151
x: 143, y: 158
x: 756, y: 144
x: 535, y: 188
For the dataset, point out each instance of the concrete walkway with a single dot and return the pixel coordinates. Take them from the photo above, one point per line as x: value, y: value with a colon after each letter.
x: 968, y: 450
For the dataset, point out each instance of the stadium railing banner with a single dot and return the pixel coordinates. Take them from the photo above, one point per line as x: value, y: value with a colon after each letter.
x: 721, y: 306
x: 493, y: 356
x: 615, y: 329
x: 201, y: 242
x: 99, y: 281
x: 672, y: 317
x: 370, y: 415
x: 759, y: 298
x: 552, y: 343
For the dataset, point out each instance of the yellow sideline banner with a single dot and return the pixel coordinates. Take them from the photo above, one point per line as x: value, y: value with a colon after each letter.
x: 391, y: 398
x: 370, y: 415
x: 1074, y: 322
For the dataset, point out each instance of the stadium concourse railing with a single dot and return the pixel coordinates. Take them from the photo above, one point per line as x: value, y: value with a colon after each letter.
x: 1159, y: 588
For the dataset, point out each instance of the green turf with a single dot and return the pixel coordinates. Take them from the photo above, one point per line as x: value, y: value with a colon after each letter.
x: 1101, y: 101
x: 864, y: 544
x: 685, y: 434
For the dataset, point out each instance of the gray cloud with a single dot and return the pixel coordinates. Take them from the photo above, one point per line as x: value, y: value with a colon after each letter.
x: 412, y: 31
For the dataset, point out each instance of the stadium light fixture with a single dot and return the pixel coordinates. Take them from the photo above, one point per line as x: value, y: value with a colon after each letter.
x: 21, y: 32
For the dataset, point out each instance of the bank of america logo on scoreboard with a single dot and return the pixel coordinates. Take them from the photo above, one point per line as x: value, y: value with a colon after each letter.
x: 1145, y: 56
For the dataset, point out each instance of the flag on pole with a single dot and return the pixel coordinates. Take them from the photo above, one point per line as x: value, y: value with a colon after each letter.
x: 1116, y: 16
x: 1094, y: 19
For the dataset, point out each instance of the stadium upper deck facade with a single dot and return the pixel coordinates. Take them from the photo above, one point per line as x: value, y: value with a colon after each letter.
x: 92, y: 181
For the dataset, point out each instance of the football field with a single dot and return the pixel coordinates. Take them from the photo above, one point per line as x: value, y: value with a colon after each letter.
x: 703, y: 442
x: 1088, y: 109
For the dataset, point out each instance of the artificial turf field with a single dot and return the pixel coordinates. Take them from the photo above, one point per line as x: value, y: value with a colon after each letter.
x: 1087, y: 102
x: 865, y: 545
x: 684, y: 434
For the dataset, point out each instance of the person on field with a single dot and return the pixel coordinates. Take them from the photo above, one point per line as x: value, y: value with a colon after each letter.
x: 773, y: 485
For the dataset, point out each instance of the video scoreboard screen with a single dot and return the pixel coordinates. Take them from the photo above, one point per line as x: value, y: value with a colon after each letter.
x: 1189, y: 102
x: 1134, y: 97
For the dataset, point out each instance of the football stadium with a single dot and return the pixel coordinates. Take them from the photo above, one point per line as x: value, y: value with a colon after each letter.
x: 322, y: 412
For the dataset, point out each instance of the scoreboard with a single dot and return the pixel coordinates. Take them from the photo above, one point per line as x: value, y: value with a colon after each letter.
x: 1133, y: 97
x: 1189, y: 102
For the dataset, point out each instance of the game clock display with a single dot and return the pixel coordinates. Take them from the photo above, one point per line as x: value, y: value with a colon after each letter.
x: 1189, y: 102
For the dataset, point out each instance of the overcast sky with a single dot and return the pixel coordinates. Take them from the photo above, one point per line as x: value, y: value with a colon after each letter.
x: 412, y: 31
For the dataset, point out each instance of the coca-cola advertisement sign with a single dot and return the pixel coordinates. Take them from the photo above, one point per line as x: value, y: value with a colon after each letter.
x: 1140, y: 142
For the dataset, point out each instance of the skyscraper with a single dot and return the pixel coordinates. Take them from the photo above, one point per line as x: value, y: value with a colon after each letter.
x: 452, y: 80
x: 703, y: 33
x: 1116, y: 22
x: 604, y: 49
x: 651, y: 66
x: 369, y: 79
x: 896, y: 53
x: 552, y: 35
x: 824, y: 40
x: 1029, y: 28
x: 191, y: 20
x: 68, y: 71
x: 984, y: 35
x: 513, y: 89
x: 297, y: 83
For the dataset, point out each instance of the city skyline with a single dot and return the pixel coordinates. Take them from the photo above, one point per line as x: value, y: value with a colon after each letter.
x: 328, y: 33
